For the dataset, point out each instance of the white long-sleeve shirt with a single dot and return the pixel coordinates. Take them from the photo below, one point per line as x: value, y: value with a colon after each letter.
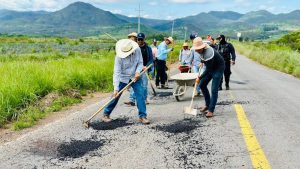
x: 185, y: 56
x: 125, y: 68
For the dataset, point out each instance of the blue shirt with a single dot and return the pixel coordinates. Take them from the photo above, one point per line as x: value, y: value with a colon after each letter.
x: 163, y: 51
x: 195, y: 58
x: 125, y: 68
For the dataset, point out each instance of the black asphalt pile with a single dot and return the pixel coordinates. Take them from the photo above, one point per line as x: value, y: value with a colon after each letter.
x: 183, y: 126
x: 162, y: 97
x: 78, y: 148
x: 118, y: 123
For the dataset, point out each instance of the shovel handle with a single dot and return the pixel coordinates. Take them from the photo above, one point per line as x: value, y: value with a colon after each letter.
x: 194, y: 91
x: 120, y: 92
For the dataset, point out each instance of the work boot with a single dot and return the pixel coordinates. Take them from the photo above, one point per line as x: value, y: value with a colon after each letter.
x: 106, y: 119
x: 227, y: 88
x: 209, y: 114
x: 203, y: 109
x: 144, y: 120
x: 220, y: 88
x: 198, y: 94
x: 130, y: 103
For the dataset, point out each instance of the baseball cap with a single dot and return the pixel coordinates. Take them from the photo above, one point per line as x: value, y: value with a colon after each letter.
x: 141, y: 36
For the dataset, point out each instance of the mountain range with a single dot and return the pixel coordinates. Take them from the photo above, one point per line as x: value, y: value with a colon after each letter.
x: 83, y: 19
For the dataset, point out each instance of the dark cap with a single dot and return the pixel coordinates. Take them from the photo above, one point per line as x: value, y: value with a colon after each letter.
x: 221, y: 37
x: 193, y: 35
x: 141, y: 36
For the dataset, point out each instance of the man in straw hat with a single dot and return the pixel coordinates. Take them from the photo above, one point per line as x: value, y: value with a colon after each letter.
x: 161, y: 58
x: 128, y: 65
x: 132, y: 36
x: 184, y: 55
x: 215, y: 66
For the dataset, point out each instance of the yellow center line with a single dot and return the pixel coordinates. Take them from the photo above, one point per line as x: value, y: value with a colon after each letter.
x: 257, y: 154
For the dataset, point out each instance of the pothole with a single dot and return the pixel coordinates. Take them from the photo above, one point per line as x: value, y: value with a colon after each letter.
x: 183, y: 126
x: 78, y: 148
x: 117, y: 123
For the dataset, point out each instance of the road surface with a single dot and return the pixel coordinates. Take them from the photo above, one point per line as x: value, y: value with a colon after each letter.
x: 267, y: 136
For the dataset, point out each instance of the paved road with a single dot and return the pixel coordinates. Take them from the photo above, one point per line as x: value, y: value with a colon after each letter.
x: 174, y: 140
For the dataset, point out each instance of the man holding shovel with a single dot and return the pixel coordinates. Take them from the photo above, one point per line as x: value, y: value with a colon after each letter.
x: 215, y: 66
x: 128, y: 65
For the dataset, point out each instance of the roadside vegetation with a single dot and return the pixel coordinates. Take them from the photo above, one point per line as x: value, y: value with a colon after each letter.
x: 42, y: 75
x: 282, y: 54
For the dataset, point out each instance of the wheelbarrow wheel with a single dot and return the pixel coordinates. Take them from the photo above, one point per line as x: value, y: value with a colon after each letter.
x: 178, y: 90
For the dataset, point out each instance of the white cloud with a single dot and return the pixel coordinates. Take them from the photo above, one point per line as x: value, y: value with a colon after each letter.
x: 117, y: 11
x: 170, y: 17
x: 146, y: 16
x: 189, y: 1
x: 153, y: 3
x: 49, y: 5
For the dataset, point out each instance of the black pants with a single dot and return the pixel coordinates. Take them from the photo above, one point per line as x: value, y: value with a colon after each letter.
x: 161, y: 72
x: 227, y: 73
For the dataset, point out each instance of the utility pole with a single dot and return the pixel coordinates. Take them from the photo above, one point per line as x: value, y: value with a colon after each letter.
x: 172, y: 28
x: 139, y: 18
x: 185, y: 28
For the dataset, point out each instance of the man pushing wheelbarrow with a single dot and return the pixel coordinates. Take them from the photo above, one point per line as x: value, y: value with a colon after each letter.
x: 185, y: 58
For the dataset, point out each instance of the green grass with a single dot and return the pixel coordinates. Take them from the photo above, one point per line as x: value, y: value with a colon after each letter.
x: 281, y: 58
x: 28, y: 77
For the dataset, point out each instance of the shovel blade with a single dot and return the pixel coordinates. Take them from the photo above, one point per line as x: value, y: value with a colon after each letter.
x: 190, y: 111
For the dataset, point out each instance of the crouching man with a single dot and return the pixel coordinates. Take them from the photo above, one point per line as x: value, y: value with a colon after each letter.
x: 215, y: 66
x: 128, y: 65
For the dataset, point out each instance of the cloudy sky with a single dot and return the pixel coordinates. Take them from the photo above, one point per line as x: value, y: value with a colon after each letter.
x: 159, y: 9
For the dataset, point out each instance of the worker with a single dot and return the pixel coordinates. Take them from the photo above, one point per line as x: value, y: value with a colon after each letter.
x: 128, y: 65
x: 196, y: 62
x: 161, y: 58
x: 215, y: 66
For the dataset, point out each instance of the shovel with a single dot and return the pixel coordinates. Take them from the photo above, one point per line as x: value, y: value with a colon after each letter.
x: 152, y: 87
x: 86, y: 124
x: 190, y: 110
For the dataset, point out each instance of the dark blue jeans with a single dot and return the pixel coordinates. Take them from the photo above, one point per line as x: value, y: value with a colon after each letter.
x: 216, y: 77
x: 139, y: 94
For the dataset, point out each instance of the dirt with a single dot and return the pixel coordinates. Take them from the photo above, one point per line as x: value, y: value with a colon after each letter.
x: 78, y: 148
x: 117, y: 123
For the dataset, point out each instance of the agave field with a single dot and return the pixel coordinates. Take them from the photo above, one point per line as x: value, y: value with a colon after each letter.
x: 41, y: 75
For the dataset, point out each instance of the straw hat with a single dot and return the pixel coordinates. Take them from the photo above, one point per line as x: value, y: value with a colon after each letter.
x: 133, y: 34
x: 125, y: 47
x: 198, y: 43
x: 170, y: 39
x: 185, y: 44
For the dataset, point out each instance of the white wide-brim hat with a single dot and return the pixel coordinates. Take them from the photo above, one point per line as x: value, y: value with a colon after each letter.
x: 125, y: 47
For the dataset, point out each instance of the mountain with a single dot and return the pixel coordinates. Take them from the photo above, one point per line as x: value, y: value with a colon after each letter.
x: 144, y: 21
x: 80, y: 14
x: 257, y: 17
x: 83, y: 19
x: 229, y: 15
x: 7, y: 15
